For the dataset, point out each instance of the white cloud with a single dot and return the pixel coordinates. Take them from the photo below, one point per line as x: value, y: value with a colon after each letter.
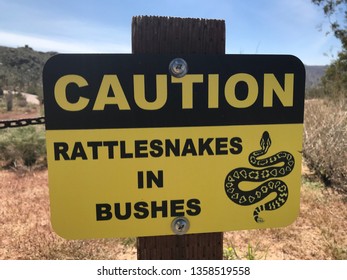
x: 66, y: 46
x: 48, y: 29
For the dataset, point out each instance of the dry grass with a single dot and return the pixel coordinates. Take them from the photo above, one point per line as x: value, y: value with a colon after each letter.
x: 325, y: 140
x: 26, y: 233
x: 25, y: 230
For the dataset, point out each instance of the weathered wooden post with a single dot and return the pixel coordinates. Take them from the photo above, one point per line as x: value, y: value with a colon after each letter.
x: 166, y: 35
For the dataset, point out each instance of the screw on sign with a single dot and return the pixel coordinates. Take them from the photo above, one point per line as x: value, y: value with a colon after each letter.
x: 180, y: 225
x: 178, y: 67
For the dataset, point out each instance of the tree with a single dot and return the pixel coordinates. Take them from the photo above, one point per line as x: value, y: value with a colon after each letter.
x: 335, y: 79
x: 333, y: 9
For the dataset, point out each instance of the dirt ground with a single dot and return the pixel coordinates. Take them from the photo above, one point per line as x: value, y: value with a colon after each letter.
x: 320, y: 232
x: 14, y: 115
x: 31, y: 110
x: 25, y: 229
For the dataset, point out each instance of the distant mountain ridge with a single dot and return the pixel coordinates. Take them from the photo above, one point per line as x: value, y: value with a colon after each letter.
x: 21, y: 69
x: 314, y: 75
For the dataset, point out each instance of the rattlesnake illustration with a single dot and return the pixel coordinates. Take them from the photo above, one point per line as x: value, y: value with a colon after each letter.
x: 270, y: 168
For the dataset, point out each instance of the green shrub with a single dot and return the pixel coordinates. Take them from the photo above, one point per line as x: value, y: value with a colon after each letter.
x: 325, y: 140
x: 315, y: 92
x: 22, y: 146
x: 230, y: 254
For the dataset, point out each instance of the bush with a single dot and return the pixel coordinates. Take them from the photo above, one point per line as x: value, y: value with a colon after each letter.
x: 22, y: 146
x: 325, y: 140
x: 315, y: 92
x: 335, y: 78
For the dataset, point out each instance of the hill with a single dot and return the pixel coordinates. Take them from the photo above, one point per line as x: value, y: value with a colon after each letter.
x: 314, y: 75
x: 21, y: 70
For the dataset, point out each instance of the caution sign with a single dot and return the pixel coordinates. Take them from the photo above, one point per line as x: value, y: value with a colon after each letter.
x: 131, y: 148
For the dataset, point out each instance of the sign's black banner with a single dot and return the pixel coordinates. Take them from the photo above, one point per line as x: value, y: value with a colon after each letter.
x: 90, y: 91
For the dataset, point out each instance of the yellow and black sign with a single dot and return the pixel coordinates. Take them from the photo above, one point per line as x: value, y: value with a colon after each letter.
x: 130, y: 147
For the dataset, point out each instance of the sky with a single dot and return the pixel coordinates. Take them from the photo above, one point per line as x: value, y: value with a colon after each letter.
x: 295, y: 27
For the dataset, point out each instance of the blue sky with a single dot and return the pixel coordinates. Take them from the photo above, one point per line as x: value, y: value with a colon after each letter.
x: 104, y: 26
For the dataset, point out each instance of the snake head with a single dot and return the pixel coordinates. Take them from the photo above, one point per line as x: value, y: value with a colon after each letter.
x: 265, y: 141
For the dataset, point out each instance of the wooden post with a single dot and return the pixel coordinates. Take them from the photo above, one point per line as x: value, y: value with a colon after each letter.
x: 166, y: 35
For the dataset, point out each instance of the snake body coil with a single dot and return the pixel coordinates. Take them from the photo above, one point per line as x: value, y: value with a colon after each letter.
x: 269, y: 168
